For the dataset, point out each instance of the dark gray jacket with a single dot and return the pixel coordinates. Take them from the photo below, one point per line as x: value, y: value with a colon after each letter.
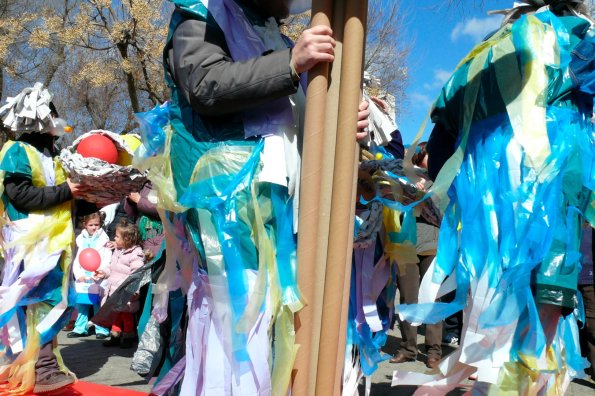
x: 217, y: 87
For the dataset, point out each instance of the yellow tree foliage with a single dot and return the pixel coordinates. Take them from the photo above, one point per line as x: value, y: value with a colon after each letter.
x: 94, y: 54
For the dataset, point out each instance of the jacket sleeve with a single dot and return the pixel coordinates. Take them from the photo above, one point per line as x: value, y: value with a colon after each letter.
x: 106, y: 257
x: 395, y: 146
x: 146, y: 207
x: 108, y: 269
x: 138, y: 260
x: 24, y: 196
x: 213, y: 83
x: 441, y: 146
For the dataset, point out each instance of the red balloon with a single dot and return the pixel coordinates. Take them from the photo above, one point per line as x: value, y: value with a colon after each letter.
x: 98, y: 146
x: 90, y: 259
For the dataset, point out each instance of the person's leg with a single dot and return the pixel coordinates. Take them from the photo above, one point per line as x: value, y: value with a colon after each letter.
x: 48, y: 376
x: 408, y: 284
x: 127, y: 339
x: 82, y: 321
x: 118, y: 324
x: 451, y: 328
x: 433, y: 331
x: 100, y: 332
x: 115, y: 332
x: 588, y: 332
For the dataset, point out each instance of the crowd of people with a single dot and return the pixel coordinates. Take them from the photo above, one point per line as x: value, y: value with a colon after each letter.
x: 485, y: 230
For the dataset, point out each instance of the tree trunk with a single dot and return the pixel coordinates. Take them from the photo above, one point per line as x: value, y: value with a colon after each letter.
x: 130, y: 83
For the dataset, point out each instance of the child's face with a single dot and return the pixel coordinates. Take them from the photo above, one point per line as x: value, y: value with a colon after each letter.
x: 92, y: 226
x: 120, y: 243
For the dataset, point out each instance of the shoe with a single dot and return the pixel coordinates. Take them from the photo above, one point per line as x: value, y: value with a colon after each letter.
x: 399, y: 358
x: 127, y: 340
x: 74, y: 334
x: 451, y: 341
x: 53, y: 381
x: 432, y: 361
x: 114, y: 340
x: 101, y: 336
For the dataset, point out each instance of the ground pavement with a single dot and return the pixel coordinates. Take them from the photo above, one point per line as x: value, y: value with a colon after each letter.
x: 93, y: 362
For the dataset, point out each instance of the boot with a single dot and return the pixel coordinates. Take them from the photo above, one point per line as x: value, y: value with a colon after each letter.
x: 53, y: 381
x: 127, y: 340
x: 114, y: 339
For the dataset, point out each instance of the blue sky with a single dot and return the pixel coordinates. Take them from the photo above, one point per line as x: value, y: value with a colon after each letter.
x: 440, y: 37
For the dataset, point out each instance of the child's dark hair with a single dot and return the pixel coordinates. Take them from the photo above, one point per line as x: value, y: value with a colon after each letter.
x: 94, y: 215
x: 129, y: 233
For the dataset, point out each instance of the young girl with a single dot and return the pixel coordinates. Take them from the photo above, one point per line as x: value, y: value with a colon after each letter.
x: 127, y: 258
x: 88, y: 284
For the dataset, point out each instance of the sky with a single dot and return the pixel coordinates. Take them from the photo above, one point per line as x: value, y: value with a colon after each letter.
x: 440, y: 37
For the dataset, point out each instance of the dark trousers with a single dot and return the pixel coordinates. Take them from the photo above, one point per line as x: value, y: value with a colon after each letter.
x: 408, y: 283
x: 47, y: 362
x: 454, y: 323
x: 587, y: 334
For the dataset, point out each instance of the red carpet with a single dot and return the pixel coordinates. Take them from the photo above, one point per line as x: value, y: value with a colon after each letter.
x: 82, y: 388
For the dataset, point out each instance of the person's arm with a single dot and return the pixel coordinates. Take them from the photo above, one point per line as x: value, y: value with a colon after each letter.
x: 142, y: 204
x: 104, y: 252
x: 25, y: 196
x: 440, y: 147
x: 147, y: 208
x: 395, y: 146
x: 138, y: 260
x: 213, y: 83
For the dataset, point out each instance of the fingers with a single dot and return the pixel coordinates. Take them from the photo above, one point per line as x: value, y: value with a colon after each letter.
x: 362, y: 120
x: 361, y: 136
x: 315, y: 45
x: 364, y: 105
x: 380, y: 103
x: 363, y: 124
x: 362, y: 116
x: 321, y: 29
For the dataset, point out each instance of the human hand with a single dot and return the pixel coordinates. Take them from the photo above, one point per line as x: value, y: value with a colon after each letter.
x: 110, y: 245
x: 421, y: 185
x: 99, y: 274
x: 380, y: 103
x: 314, y: 45
x: 134, y: 197
x: 75, y: 188
x: 362, y: 120
x: 82, y: 279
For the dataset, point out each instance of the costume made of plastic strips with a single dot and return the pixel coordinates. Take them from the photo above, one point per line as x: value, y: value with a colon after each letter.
x: 520, y: 182
x: 227, y: 210
x: 384, y: 242
x: 35, y: 297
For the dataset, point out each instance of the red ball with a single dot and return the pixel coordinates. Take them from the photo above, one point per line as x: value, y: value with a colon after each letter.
x: 98, y: 146
x: 90, y: 259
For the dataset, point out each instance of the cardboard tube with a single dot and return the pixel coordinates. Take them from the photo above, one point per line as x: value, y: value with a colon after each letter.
x: 330, y: 140
x: 340, y: 241
x: 342, y: 344
x: 311, y: 175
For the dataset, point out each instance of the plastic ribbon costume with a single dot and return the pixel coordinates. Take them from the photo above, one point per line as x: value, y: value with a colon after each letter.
x: 518, y: 186
x: 227, y: 211
x: 35, y: 297
x: 385, y: 242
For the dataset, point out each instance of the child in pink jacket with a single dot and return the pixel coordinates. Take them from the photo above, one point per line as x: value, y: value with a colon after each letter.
x: 127, y: 258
